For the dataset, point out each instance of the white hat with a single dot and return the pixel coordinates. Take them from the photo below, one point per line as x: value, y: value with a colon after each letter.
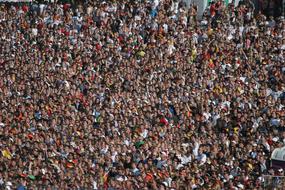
x: 240, y: 186
x: 8, y: 183
x: 275, y: 139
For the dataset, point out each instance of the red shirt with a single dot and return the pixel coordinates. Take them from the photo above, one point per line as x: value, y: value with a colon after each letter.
x: 212, y: 10
x: 25, y: 8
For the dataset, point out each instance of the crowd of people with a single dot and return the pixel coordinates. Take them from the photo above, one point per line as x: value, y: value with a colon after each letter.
x: 139, y: 95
